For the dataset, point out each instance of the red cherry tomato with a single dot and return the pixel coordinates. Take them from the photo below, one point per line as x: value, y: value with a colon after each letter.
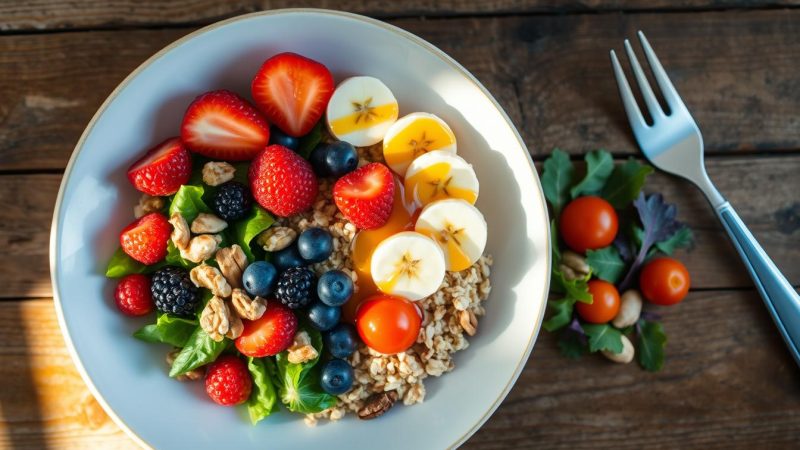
x: 388, y: 324
x: 605, y: 303
x: 588, y: 223
x: 664, y: 281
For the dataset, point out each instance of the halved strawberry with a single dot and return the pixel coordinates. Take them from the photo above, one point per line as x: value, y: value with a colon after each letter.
x: 293, y: 92
x: 270, y: 334
x: 222, y: 125
x: 163, y: 169
x: 145, y: 240
x: 366, y: 195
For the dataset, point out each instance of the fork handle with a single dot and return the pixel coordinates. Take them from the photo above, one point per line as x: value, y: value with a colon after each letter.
x: 780, y: 297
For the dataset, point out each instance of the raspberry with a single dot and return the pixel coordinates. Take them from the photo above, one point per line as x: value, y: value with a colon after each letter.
x: 145, y: 240
x: 132, y: 295
x: 232, y: 201
x: 295, y: 287
x: 366, y: 196
x: 228, y: 381
x: 174, y: 292
x: 282, y: 182
x: 163, y: 169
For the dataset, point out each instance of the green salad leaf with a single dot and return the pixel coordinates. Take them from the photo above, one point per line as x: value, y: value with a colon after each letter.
x: 298, y: 384
x: 572, y: 344
x: 554, y: 243
x: 310, y: 140
x: 557, y: 179
x: 562, y: 313
x: 577, y: 289
x: 625, y: 183
x: 682, y: 238
x: 121, y: 264
x: 651, y: 343
x: 174, y: 257
x: 200, y: 350
x: 599, y: 165
x: 606, y: 263
x: 603, y: 337
x: 263, y: 399
x: 171, y: 330
x: 189, y: 202
x: 251, y: 226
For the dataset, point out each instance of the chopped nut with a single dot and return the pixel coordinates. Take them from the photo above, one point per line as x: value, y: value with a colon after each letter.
x: 232, y: 262
x: 208, y: 223
x: 200, y: 248
x: 180, y: 231
x: 147, y: 204
x: 623, y: 357
x: 573, y: 265
x: 630, y: 308
x: 377, y: 405
x: 236, y: 327
x: 216, y: 173
x: 276, y: 238
x: 247, y: 308
x: 216, y: 318
x: 301, y: 349
x: 191, y: 375
x: 468, y: 322
x: 210, y: 277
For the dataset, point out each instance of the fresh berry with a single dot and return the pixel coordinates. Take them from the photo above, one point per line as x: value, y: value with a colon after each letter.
x: 295, y: 287
x: 293, y: 92
x: 278, y: 137
x: 315, y: 244
x: 163, y: 169
x: 317, y: 160
x: 366, y: 196
x: 132, y: 295
x: 145, y: 240
x: 287, y: 258
x: 174, y: 292
x: 269, y: 335
x: 259, y: 279
x: 282, y: 181
x: 322, y: 316
x: 341, y: 341
x: 334, y: 288
x: 337, y: 377
x: 228, y: 381
x: 222, y: 125
x: 340, y: 158
x: 232, y: 201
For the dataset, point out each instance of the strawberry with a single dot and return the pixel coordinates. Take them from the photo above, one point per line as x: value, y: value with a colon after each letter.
x: 228, y: 381
x: 222, y: 125
x: 132, y: 295
x: 366, y: 196
x: 282, y: 182
x: 163, y: 169
x: 293, y: 92
x: 270, y: 334
x: 145, y: 240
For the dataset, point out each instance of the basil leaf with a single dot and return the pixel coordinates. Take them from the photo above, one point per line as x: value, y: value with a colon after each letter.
x: 263, y: 400
x: 575, y: 289
x: 651, y: 345
x: 200, y: 350
x: 625, y: 183
x: 562, y: 314
x: 168, y: 329
x: 556, y: 179
x: 189, y: 202
x: 248, y: 228
x: 572, y: 344
x: 603, y: 337
x: 599, y: 165
x: 682, y: 238
x: 310, y: 140
x: 298, y: 384
x: 606, y: 263
x: 121, y: 264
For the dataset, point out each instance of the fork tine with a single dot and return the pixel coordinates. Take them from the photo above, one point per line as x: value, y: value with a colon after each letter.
x: 644, y: 85
x: 667, y: 89
x: 631, y: 108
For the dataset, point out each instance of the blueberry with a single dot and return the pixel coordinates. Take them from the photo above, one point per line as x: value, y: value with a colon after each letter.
x: 278, y: 137
x: 337, y: 377
x: 317, y: 160
x: 315, y: 245
x: 323, y: 317
x: 286, y: 258
x: 340, y: 158
x: 334, y: 288
x: 259, y: 278
x: 341, y: 341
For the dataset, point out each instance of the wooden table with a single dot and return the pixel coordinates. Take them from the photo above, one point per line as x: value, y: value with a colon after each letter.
x: 728, y: 381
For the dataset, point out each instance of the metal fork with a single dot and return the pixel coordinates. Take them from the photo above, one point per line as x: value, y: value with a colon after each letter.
x: 673, y: 144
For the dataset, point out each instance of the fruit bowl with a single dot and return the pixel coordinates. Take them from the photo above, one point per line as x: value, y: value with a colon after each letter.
x: 128, y: 377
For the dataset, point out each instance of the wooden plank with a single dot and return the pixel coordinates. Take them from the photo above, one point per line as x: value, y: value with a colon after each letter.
x: 551, y: 73
x: 772, y: 216
x: 61, y: 14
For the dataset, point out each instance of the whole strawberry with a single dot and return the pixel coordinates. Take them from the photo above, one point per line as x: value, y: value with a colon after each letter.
x: 282, y: 182
x: 145, y: 240
x: 228, y: 381
x: 366, y: 195
x: 163, y: 169
x: 270, y: 334
x: 132, y: 295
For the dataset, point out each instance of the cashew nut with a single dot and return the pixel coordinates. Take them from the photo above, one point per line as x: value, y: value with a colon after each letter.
x: 623, y: 357
x: 630, y: 309
x: 200, y: 248
x: 573, y: 265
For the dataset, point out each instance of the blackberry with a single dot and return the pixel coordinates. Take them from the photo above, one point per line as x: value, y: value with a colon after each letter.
x: 173, y: 291
x: 232, y: 201
x: 295, y: 287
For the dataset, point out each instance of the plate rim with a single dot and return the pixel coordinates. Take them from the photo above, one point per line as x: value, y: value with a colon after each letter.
x: 435, y: 51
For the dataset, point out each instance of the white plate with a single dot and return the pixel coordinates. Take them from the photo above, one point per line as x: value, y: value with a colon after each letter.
x: 128, y: 377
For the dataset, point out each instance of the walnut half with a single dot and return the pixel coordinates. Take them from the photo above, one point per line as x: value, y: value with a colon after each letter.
x: 200, y: 248
x: 377, y: 405
x: 208, y: 223
x: 216, y: 173
x: 218, y: 321
x: 301, y: 349
x: 180, y: 231
x: 210, y: 277
x: 232, y: 262
x: 247, y: 308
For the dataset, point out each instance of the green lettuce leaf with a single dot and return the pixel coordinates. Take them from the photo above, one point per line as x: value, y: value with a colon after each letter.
x: 171, y: 330
x: 683, y: 238
x: 651, y: 343
x: 557, y: 179
x: 189, y: 202
x: 251, y: 226
x: 298, y: 384
x: 625, y: 183
x: 603, y: 337
x: 561, y: 314
x: 574, y: 289
x: 263, y: 399
x: 599, y: 165
x: 606, y: 263
x: 121, y: 264
x: 200, y: 350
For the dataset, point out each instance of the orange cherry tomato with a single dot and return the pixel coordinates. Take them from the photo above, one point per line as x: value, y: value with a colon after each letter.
x: 388, y: 324
x: 588, y: 223
x: 605, y: 303
x: 664, y: 281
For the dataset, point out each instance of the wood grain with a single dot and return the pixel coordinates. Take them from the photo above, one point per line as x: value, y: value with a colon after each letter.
x: 550, y: 73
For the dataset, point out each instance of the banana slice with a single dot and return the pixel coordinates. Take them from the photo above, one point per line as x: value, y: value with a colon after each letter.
x: 361, y: 110
x: 414, y: 135
x: 408, y: 264
x: 438, y: 175
x: 459, y: 229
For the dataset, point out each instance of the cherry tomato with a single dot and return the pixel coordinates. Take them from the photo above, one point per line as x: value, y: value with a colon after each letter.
x: 664, y: 281
x: 388, y: 324
x: 605, y: 304
x: 588, y: 223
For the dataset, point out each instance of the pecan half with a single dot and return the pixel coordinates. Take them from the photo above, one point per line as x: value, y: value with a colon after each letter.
x: 276, y: 238
x: 216, y: 318
x: 247, y: 308
x: 208, y: 223
x: 191, y: 375
x: 377, y: 405
x: 147, y: 204
x: 180, y: 231
x: 200, y: 248
x: 232, y: 262
x: 210, y: 277
x: 216, y: 173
